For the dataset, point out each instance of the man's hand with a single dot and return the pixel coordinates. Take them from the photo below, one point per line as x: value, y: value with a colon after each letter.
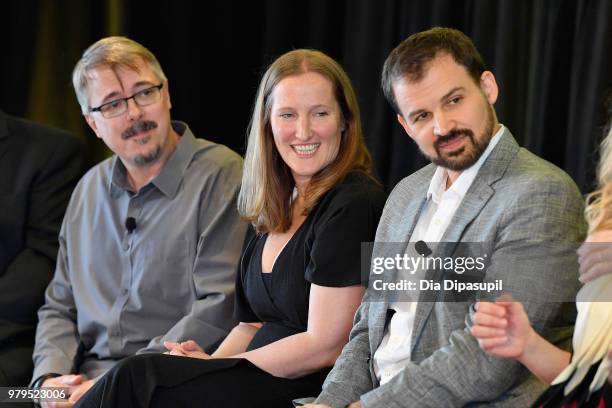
x: 80, y: 391
x: 187, y: 348
x: 76, y: 384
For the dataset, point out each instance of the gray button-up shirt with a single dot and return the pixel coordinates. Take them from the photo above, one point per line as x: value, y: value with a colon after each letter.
x: 117, y: 293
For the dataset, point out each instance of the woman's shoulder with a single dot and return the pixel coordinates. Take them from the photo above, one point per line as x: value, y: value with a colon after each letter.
x: 357, y: 187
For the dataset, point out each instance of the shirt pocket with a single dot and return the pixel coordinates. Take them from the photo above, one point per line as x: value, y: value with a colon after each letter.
x: 166, y: 273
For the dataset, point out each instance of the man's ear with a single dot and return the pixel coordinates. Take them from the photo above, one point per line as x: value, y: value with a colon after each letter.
x: 489, y: 86
x: 402, y: 122
x: 92, y: 123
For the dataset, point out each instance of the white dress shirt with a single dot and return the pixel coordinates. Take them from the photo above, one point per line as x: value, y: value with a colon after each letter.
x: 394, y: 350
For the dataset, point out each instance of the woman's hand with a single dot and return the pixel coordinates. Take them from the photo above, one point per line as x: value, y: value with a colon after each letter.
x: 187, y: 348
x: 595, y: 256
x: 502, y: 328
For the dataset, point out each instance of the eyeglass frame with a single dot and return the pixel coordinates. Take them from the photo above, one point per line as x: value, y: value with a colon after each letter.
x: 99, y: 108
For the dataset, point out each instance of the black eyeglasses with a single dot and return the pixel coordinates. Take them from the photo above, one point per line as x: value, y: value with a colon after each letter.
x: 119, y: 106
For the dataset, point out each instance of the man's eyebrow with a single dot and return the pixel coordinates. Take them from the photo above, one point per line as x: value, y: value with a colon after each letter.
x: 111, y: 96
x: 415, y: 113
x: 444, y: 97
x: 452, y: 91
x: 141, y: 83
x: 116, y: 94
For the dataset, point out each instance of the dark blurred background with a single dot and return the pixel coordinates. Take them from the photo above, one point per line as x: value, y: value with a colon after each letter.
x: 551, y: 58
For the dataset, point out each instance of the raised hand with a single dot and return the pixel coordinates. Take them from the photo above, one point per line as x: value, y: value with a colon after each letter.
x: 502, y: 328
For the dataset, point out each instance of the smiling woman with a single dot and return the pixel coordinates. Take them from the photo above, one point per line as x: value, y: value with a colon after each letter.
x: 307, y: 124
x: 267, y: 208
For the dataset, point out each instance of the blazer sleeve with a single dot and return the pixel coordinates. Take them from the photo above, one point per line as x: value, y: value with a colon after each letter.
x: 24, y: 281
x: 50, y: 163
x: 350, y: 378
x: 48, y: 198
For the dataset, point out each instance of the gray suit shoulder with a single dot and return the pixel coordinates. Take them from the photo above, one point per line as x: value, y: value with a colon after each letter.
x: 529, y: 173
x: 410, y: 186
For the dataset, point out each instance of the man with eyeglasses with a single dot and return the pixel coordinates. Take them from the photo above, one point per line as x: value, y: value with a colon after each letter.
x: 151, y: 238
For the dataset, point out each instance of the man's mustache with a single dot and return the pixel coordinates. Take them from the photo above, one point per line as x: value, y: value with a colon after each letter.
x: 140, y: 126
x: 453, y: 134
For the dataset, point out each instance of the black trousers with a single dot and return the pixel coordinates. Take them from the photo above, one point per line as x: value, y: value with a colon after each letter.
x: 159, y: 380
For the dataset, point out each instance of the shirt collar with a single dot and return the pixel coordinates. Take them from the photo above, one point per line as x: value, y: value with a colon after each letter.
x: 170, y: 176
x: 437, y: 186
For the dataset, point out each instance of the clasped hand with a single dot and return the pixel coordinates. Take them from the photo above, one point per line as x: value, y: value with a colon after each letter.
x: 187, y: 348
x: 76, y: 384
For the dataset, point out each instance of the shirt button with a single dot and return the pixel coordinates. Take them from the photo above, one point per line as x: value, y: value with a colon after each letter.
x: 126, y: 246
x: 124, y: 291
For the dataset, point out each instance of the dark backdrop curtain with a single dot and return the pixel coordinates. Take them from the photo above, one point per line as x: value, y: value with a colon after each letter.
x: 551, y: 59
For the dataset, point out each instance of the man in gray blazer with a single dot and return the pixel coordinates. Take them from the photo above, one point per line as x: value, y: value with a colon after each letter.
x: 483, y: 188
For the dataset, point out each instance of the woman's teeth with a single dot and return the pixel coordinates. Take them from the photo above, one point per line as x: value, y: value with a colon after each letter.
x: 306, y: 149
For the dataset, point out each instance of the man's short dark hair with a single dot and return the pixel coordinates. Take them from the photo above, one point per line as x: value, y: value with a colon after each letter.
x: 411, y: 57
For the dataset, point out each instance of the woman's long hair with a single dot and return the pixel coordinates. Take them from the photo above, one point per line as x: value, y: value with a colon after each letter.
x: 599, y: 203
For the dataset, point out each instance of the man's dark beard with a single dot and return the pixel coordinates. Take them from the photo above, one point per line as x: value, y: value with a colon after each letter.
x: 468, y: 154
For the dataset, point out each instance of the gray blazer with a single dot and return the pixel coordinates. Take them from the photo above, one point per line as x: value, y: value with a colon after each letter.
x: 517, y: 203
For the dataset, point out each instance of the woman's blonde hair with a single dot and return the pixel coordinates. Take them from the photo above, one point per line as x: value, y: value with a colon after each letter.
x: 267, y: 183
x: 599, y: 203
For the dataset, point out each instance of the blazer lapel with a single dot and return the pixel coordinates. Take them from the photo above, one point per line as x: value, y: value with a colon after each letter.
x: 477, y: 196
x: 393, y: 241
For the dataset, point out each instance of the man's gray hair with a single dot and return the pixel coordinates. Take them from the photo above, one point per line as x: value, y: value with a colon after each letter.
x: 113, y: 52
